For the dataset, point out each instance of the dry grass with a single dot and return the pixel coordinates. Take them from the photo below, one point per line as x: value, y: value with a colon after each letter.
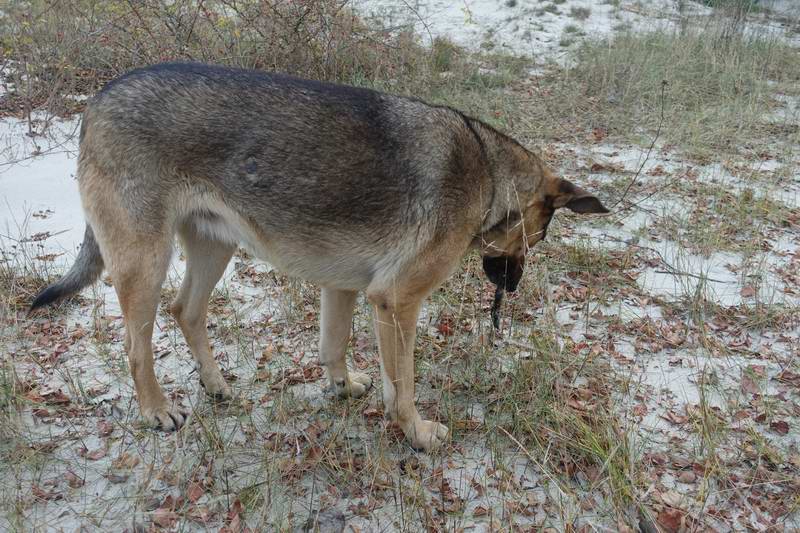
x: 558, y: 422
x: 719, y: 89
x: 53, y: 53
x: 74, y: 47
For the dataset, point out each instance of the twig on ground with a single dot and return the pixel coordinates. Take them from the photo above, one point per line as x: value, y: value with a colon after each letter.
x: 649, y: 152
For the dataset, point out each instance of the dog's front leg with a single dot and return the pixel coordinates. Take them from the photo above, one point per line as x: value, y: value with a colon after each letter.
x: 396, y: 328
x: 335, y: 323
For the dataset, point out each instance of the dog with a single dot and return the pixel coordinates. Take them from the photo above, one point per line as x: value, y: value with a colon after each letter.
x: 349, y: 188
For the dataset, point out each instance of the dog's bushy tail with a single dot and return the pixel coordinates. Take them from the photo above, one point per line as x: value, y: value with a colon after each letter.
x: 87, y: 268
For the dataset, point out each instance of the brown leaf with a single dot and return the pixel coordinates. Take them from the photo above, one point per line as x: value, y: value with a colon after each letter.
x: 117, y: 477
x: 748, y: 292
x: 672, y: 498
x: 194, y: 491
x: 199, y: 513
x: 790, y: 378
x: 580, y: 405
x: 372, y: 413
x: 656, y: 458
x: 93, y: 455
x: 262, y: 376
x: 670, y: 519
x: 445, y: 326
x: 680, y: 462
x: 469, y: 424
x: 266, y: 356
x: 480, y: 511
x: 675, y: 418
x: 748, y: 385
x: 296, y: 376
x: 599, y: 134
x: 164, y: 517
x: 40, y: 413
x: 105, y: 428
x: 623, y: 527
x: 42, y: 494
x: 235, y: 509
x: 73, y: 480
x: 94, y: 392
x: 56, y: 397
x: 125, y: 461
x: 779, y: 426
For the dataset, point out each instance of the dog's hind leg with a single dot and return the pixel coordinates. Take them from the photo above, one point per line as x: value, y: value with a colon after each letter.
x: 335, y: 323
x: 138, y: 266
x: 205, y: 263
x: 135, y: 240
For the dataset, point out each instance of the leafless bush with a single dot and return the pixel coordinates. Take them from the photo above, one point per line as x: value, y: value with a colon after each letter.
x: 53, y: 50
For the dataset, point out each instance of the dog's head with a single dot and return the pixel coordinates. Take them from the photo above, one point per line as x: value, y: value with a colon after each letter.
x: 504, y: 245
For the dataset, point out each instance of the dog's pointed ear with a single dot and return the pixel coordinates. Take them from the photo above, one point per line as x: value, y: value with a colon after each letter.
x: 576, y: 199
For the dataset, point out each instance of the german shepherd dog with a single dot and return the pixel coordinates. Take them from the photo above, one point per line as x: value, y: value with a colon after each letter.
x: 349, y: 188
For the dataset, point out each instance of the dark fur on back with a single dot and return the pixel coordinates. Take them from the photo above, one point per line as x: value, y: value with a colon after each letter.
x: 330, y: 155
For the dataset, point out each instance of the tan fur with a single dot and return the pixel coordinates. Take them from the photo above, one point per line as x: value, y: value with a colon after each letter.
x: 472, y: 188
x: 205, y: 264
x: 335, y: 322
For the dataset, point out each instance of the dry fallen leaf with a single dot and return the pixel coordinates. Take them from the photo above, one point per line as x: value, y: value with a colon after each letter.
x: 93, y: 455
x: 445, y: 325
x: 42, y: 494
x: 104, y: 428
x: 125, y: 461
x: 675, y: 418
x: 199, y: 514
x: 194, y: 491
x: 164, y: 517
x: 672, y: 498
x: 780, y: 426
x: 117, y: 477
x: 789, y: 378
x: 748, y: 385
x: 73, y: 480
x: 670, y: 519
x: 748, y: 292
x: 623, y: 527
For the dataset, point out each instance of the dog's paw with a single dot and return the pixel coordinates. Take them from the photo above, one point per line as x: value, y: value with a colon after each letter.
x: 355, y: 386
x: 427, y: 435
x: 215, y: 385
x: 165, y: 417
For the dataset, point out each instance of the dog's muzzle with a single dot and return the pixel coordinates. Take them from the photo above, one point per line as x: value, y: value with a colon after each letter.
x: 504, y: 271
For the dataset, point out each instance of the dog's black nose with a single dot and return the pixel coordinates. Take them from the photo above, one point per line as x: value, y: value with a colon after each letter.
x: 504, y: 271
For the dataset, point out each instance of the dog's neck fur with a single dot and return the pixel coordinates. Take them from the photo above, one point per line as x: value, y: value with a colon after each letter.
x: 516, y: 173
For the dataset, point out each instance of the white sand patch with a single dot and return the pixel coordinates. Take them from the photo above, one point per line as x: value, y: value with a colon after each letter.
x: 525, y: 27
x: 38, y: 193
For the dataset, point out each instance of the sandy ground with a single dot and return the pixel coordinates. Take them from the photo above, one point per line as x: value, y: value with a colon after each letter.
x: 687, y: 332
x: 546, y: 31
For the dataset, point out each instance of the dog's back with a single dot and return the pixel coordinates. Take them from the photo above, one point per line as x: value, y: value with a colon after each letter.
x: 322, y: 165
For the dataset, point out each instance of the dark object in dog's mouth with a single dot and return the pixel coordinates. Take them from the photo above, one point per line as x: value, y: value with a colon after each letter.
x: 498, y: 299
x: 505, y: 272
